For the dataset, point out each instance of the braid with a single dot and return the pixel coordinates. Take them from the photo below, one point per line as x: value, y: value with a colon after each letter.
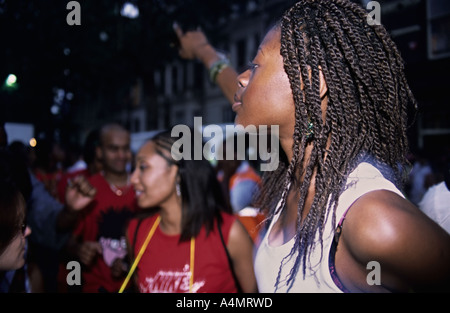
x: 366, y: 116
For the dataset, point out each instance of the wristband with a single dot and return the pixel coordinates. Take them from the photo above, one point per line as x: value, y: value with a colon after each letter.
x: 217, y: 67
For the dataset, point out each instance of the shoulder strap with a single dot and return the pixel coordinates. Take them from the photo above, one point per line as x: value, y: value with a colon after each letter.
x: 230, y: 261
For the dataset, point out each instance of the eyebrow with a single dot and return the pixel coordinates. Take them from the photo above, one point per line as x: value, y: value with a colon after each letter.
x: 140, y: 158
x: 260, y: 50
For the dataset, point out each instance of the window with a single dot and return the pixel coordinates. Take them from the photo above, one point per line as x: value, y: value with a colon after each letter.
x: 228, y: 115
x: 137, y: 125
x: 179, y: 117
x: 174, y: 79
x: 241, y: 54
x: 438, y: 18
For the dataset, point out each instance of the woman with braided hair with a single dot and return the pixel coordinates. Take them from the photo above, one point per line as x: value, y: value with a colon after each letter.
x: 335, y: 86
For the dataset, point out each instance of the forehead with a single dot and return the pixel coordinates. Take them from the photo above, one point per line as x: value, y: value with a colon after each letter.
x: 116, y: 137
x: 148, y: 149
x: 150, y: 153
x: 22, y: 206
x: 271, y: 42
x: 19, y: 206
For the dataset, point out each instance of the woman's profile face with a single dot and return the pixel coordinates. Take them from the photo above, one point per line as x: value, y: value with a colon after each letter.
x: 13, y: 257
x: 264, y: 96
x: 153, y: 179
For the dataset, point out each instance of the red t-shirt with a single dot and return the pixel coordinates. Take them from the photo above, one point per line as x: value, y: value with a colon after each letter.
x: 165, y: 264
x: 105, y: 220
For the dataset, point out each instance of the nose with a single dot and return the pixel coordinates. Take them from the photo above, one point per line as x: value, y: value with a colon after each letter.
x: 123, y: 154
x: 27, y: 232
x: 242, y: 79
x: 134, y: 177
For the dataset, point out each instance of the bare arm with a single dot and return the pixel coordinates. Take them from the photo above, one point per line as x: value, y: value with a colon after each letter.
x: 240, y: 247
x: 195, y: 45
x: 412, y: 251
x: 79, y: 194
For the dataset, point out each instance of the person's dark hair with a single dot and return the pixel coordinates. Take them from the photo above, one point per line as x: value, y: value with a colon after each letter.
x: 201, y: 194
x: 14, y: 170
x: 12, y: 213
x: 91, y: 143
x: 447, y: 176
x: 366, y: 117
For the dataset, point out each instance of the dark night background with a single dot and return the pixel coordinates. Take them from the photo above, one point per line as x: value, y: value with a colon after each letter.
x: 96, y: 63
x: 98, y: 59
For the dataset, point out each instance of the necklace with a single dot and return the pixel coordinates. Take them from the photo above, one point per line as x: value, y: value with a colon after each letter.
x: 144, y: 246
x: 119, y: 192
x: 116, y: 190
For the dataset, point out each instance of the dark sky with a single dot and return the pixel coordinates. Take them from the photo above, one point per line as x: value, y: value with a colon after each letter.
x: 107, y: 49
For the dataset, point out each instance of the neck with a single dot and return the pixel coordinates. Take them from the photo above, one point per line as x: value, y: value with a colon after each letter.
x: 294, y: 190
x: 117, y: 179
x: 171, y: 217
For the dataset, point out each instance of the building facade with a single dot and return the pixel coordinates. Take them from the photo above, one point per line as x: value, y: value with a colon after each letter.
x: 421, y: 29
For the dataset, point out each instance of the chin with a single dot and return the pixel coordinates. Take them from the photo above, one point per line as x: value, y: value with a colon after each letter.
x: 249, y: 128
x: 20, y: 263
x: 145, y: 204
x: 141, y: 204
x: 240, y: 121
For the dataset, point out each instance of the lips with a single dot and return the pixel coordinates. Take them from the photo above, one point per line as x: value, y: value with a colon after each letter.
x: 237, y: 102
x: 236, y: 106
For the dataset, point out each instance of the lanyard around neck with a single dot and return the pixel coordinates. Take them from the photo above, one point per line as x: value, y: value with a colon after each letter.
x: 141, y: 252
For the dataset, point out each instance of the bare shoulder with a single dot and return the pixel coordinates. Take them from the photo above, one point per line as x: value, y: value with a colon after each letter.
x: 240, y: 246
x: 411, y: 248
x: 238, y: 236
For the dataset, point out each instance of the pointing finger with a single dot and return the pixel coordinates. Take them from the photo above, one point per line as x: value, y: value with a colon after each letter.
x: 177, y: 29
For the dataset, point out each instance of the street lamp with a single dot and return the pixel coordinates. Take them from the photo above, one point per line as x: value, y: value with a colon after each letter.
x: 11, y: 81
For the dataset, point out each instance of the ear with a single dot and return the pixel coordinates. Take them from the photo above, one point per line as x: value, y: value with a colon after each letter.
x: 177, y: 176
x: 323, y: 84
x: 174, y: 173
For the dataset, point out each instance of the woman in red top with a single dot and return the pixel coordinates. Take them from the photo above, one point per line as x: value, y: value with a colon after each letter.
x: 179, y: 246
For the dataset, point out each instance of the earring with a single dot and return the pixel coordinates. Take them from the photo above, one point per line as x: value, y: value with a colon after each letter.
x: 177, y: 188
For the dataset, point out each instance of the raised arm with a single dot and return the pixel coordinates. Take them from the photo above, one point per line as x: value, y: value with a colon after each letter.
x: 79, y: 194
x: 195, y: 45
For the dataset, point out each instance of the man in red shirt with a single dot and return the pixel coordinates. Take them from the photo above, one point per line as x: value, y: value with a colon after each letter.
x: 98, y: 240
x: 93, y: 164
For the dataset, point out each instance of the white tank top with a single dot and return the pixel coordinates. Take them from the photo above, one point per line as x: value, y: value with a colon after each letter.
x: 365, y: 178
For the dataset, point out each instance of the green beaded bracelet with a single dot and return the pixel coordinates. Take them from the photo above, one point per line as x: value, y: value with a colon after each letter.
x: 217, y: 68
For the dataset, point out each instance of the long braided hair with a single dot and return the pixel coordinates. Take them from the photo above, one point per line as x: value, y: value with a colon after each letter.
x: 366, y: 116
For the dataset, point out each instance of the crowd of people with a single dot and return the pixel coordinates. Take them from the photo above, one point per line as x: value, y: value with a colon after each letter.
x: 157, y: 222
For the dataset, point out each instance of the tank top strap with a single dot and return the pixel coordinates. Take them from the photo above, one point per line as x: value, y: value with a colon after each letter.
x: 364, y: 179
